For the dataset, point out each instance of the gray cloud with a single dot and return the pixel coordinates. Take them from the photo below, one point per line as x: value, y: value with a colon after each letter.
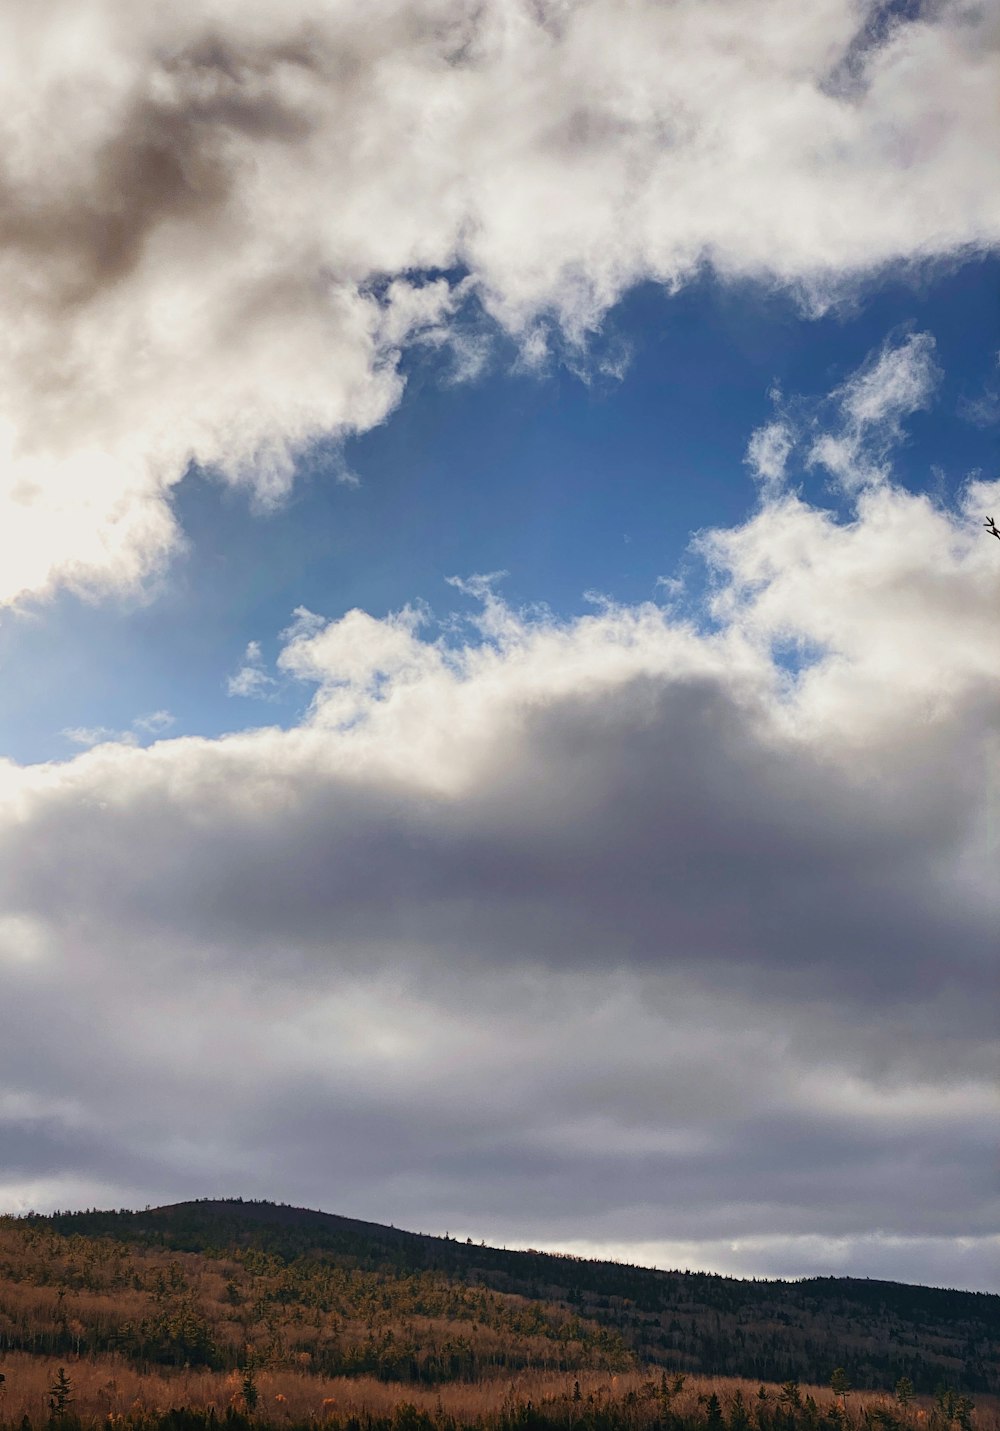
x: 613, y: 933
x: 657, y: 823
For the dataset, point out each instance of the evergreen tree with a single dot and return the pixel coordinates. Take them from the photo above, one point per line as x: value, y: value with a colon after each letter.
x: 739, y: 1417
x: 951, y: 1410
x: 60, y: 1394
x: 713, y: 1414
x: 904, y: 1391
x: 248, y: 1385
x: 840, y: 1385
x: 790, y: 1396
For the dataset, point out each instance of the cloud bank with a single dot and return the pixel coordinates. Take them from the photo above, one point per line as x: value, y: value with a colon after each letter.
x: 678, y: 932
x: 223, y: 223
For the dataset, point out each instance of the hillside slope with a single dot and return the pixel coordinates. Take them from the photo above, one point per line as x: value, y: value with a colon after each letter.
x: 196, y: 1282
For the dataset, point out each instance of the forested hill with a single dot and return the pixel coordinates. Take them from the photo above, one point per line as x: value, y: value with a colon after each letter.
x: 285, y: 1265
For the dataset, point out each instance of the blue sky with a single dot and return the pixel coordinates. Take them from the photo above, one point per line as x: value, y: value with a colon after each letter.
x: 570, y: 482
x: 641, y: 900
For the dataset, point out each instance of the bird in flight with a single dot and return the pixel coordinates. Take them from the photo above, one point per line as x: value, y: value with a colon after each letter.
x: 992, y: 527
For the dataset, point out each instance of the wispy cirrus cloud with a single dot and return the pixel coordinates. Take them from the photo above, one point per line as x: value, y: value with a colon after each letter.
x: 852, y: 431
x: 252, y: 678
x: 155, y: 723
x: 872, y: 405
x: 768, y: 452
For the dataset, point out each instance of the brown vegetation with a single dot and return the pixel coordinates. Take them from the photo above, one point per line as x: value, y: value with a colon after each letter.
x: 106, y: 1387
x: 539, y: 1310
x: 68, y: 1296
x: 246, y: 1317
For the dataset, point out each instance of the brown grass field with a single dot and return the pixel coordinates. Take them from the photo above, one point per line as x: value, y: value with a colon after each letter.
x: 108, y: 1387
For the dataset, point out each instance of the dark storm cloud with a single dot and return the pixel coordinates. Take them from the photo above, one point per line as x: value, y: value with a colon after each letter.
x: 656, y: 824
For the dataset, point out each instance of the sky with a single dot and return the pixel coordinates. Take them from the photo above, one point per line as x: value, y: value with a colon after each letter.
x: 500, y: 654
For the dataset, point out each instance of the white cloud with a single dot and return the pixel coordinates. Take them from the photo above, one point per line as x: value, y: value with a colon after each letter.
x: 220, y: 258
x: 697, y: 949
x: 303, y: 623
x: 252, y: 679
x: 154, y: 724
x: 983, y: 408
x: 89, y: 735
x: 899, y: 381
x: 768, y: 452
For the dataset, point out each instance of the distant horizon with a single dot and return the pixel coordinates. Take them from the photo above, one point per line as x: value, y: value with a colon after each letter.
x: 467, y: 1239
